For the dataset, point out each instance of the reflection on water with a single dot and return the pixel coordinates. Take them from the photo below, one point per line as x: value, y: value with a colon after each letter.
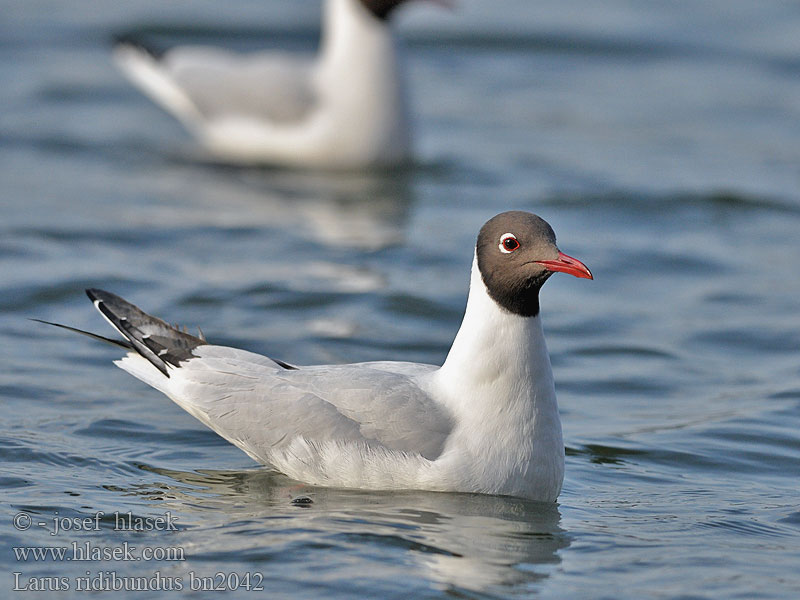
x: 468, y: 541
x: 356, y: 210
x: 368, y: 211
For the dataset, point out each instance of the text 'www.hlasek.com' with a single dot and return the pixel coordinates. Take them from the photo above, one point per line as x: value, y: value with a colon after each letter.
x: 96, y: 557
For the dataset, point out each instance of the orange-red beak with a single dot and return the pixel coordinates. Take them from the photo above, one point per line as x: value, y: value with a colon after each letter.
x: 567, y: 264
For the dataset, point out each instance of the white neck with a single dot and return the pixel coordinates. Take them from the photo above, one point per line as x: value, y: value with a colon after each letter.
x: 495, y: 347
x: 497, y: 378
x: 344, y: 21
x: 360, y: 75
x: 355, y: 44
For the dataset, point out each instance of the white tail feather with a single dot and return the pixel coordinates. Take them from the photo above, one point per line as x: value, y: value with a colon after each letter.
x: 144, y: 370
x: 146, y: 72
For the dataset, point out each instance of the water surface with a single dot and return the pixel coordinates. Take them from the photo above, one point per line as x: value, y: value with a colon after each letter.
x: 661, y: 141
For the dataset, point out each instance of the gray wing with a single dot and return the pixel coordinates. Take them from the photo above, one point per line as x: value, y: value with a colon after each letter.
x: 274, y: 86
x: 263, y: 404
x: 259, y: 407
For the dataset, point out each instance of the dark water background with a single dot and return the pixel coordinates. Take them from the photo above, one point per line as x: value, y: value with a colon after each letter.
x: 660, y: 139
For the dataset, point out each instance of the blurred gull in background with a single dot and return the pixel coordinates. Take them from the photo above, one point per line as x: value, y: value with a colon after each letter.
x: 345, y: 109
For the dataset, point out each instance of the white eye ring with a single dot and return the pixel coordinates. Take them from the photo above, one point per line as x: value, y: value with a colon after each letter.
x: 502, y: 245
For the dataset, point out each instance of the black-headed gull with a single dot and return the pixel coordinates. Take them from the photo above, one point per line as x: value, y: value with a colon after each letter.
x: 346, y: 108
x: 486, y: 421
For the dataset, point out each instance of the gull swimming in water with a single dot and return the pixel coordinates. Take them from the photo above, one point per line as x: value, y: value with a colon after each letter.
x: 486, y: 421
x: 343, y: 109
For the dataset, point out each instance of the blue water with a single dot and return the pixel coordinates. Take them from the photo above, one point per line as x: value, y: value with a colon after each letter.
x: 661, y: 141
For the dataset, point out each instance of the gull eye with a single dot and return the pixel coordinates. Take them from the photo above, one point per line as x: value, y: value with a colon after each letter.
x: 508, y: 243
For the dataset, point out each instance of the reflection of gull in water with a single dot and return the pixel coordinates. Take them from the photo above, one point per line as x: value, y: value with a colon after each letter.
x: 483, y: 541
x: 360, y: 211
x: 494, y: 543
x: 458, y: 541
x: 350, y: 210
x: 299, y: 215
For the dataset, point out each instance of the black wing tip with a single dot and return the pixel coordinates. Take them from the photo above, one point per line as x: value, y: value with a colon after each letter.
x: 42, y: 321
x: 132, y: 41
x: 98, y: 296
x: 284, y: 365
x: 95, y: 293
x: 121, y: 343
x: 128, y: 319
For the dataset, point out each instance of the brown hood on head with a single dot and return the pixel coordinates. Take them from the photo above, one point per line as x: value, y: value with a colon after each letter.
x: 381, y: 8
x: 516, y: 254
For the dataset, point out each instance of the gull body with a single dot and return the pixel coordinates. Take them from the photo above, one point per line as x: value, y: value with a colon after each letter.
x: 486, y: 421
x: 343, y: 109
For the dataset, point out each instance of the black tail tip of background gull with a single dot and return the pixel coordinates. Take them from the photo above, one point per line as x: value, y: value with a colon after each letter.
x: 134, y: 41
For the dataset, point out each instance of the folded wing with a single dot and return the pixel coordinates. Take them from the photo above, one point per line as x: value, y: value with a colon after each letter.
x: 261, y: 408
